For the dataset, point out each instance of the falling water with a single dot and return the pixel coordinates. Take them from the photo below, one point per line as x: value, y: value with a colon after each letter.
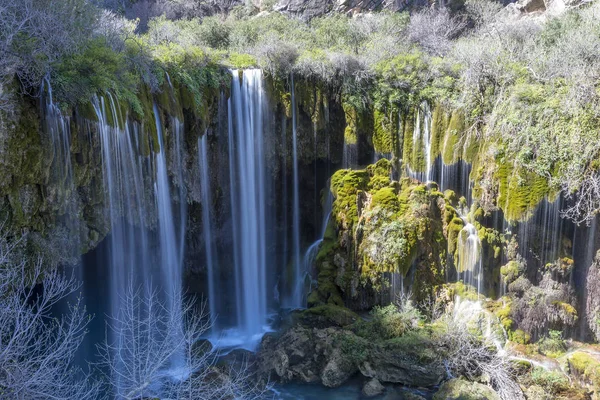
x: 296, y: 300
x: 209, y: 247
x: 248, y: 201
x: 422, y: 136
x: 62, y: 191
x: 137, y: 256
x: 308, y: 261
x: 469, y: 264
x: 169, y: 245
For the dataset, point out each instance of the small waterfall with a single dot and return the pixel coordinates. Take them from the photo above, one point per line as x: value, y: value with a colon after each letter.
x: 541, y: 235
x: 422, y: 136
x: 310, y: 255
x: 296, y: 300
x: 207, y: 223
x: 469, y: 265
x: 171, y: 268
x: 62, y: 191
x: 178, y: 136
x: 248, y: 201
x: 138, y: 256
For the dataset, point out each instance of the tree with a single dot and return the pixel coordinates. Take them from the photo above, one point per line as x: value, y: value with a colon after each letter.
x: 154, y: 347
x: 37, y: 350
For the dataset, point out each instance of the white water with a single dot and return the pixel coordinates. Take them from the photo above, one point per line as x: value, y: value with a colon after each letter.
x: 62, y: 189
x: 422, y: 136
x: 249, y: 205
x: 170, y: 265
x: 469, y: 265
x: 207, y: 233
x: 297, y: 297
x: 137, y: 256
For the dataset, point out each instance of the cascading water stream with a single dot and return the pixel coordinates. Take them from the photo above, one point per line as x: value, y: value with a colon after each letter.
x: 58, y: 127
x: 422, y: 136
x: 138, y: 257
x: 207, y: 223
x: 249, y: 203
x: 469, y: 265
x: 296, y: 300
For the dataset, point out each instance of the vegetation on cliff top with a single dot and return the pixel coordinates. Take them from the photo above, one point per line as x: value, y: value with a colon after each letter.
x: 525, y: 86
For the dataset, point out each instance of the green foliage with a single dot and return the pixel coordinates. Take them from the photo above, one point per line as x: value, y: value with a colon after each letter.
x: 552, y: 345
x: 552, y: 381
x: 98, y: 69
x: 390, y: 322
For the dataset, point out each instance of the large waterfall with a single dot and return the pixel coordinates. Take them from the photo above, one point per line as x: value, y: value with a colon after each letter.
x: 138, y: 194
x: 249, y: 209
x: 297, y: 295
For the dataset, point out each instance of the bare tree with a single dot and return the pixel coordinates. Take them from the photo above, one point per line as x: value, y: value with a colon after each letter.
x: 37, y: 350
x: 434, y: 30
x: 472, y: 356
x: 149, y: 351
x: 585, y: 201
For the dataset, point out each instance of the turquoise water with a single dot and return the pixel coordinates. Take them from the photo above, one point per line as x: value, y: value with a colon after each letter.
x: 349, y: 391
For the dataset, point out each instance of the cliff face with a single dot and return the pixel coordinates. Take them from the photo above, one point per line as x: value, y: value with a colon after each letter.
x: 433, y: 209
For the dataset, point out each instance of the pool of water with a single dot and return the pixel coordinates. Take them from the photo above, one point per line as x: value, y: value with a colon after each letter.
x: 349, y: 391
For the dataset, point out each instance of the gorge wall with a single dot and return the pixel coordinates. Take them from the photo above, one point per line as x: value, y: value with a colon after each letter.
x: 391, y: 201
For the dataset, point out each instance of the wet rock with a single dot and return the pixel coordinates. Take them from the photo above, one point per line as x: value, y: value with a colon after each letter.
x: 338, y: 369
x: 403, y: 364
x: 456, y: 389
x: 373, y: 388
x: 332, y: 355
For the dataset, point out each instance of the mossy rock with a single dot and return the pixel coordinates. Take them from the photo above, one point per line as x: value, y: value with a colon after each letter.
x: 586, y: 367
x: 461, y: 389
x: 327, y: 315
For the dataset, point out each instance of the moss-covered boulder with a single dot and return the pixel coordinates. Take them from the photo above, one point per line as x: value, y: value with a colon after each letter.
x: 381, y: 229
x: 461, y: 389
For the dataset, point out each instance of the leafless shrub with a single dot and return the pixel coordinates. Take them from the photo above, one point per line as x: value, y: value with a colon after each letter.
x: 277, y: 56
x: 584, y: 202
x: 472, y: 356
x: 150, y: 352
x: 37, y: 350
x: 434, y: 30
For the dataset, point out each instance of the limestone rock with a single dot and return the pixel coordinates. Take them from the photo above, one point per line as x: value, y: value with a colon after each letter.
x: 407, y: 366
x: 317, y: 355
x: 373, y: 388
x: 338, y: 369
x: 306, y: 9
x: 460, y: 389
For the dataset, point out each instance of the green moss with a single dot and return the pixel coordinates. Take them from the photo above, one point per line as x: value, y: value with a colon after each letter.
x: 586, y: 366
x: 454, y: 228
x: 330, y: 313
x: 519, y: 336
x: 456, y: 127
x: 384, y: 132
x: 439, y: 126
x: 241, y: 61
x: 345, y: 186
x: 520, y: 191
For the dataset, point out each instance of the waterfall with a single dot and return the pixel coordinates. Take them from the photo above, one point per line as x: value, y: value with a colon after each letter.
x: 422, y: 136
x: 249, y: 201
x: 169, y: 245
x: 209, y: 247
x: 310, y: 255
x: 469, y: 256
x: 138, y: 196
x: 62, y: 191
x: 296, y: 300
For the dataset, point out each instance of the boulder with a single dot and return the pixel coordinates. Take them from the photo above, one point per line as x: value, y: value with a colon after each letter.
x: 461, y: 389
x: 373, y: 388
x: 332, y: 355
x: 411, y: 366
